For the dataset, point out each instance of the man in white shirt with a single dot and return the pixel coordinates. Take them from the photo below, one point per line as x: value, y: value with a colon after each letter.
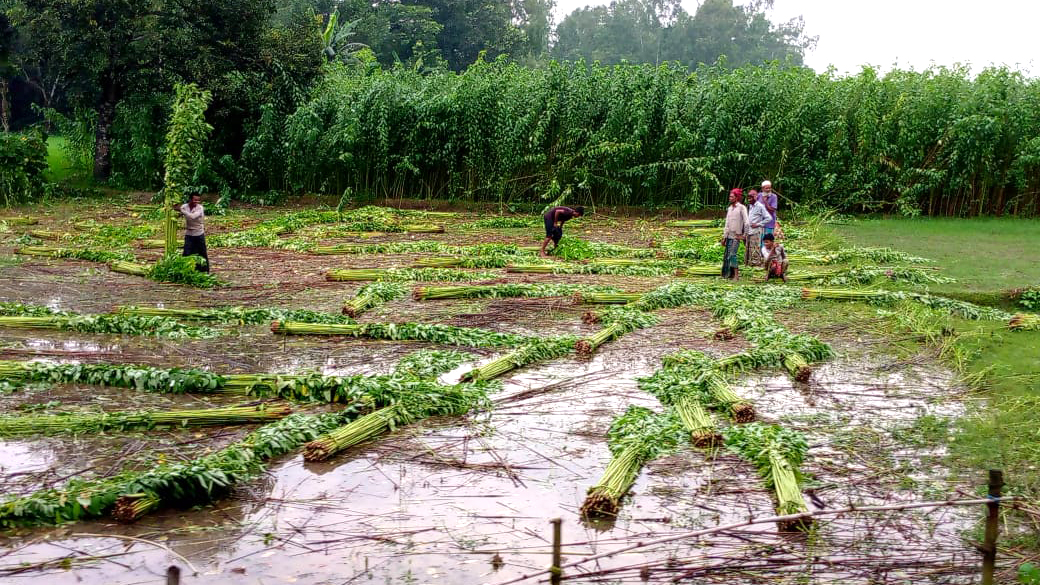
x: 736, y: 230
x: 195, y: 231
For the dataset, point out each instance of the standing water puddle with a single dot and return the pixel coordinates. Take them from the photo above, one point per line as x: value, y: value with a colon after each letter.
x: 450, y: 501
x: 468, y: 501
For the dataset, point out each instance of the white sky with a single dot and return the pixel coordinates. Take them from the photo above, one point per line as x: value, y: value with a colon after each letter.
x: 912, y: 33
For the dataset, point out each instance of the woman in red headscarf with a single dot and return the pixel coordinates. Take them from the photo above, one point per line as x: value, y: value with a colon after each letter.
x: 736, y: 230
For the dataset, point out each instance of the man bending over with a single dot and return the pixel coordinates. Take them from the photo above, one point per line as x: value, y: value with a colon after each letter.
x: 554, y: 220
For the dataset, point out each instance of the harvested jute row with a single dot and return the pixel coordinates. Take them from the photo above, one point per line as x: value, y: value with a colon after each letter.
x: 635, y: 438
x: 131, y: 268
x: 423, y: 247
x: 72, y: 253
x: 111, y: 324
x: 73, y: 423
x: 236, y: 315
x: 508, y: 290
x: 776, y: 453
x: 402, y: 397
x: 131, y: 494
x: 406, y: 275
x: 694, y: 223
x: 455, y: 400
x: 611, y: 269
x: 617, y: 321
x: 372, y: 295
x: 49, y: 235
x: 884, y: 297
x: 536, y: 350
x: 489, y: 261
x: 431, y: 332
x: 594, y: 298
x: 308, y: 387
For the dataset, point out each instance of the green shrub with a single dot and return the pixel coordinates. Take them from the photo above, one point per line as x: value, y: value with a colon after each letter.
x: 23, y: 158
x: 1030, y: 298
x: 183, y: 270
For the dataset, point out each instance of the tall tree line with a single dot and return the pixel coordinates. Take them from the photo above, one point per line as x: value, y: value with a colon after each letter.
x: 103, y: 71
x: 657, y: 31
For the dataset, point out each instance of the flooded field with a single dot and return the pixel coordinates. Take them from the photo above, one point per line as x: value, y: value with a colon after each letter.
x: 467, y: 500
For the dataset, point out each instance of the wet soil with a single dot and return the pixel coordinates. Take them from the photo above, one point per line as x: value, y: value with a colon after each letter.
x: 468, y: 500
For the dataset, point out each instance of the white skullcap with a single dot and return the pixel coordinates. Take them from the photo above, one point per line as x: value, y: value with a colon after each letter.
x: 766, y: 184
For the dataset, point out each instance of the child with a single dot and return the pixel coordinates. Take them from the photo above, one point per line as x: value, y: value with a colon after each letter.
x: 776, y: 259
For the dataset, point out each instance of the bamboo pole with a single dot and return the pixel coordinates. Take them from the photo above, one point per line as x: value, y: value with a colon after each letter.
x: 555, y: 572
x: 989, y: 544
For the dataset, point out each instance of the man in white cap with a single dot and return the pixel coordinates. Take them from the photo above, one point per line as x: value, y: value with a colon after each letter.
x: 768, y: 198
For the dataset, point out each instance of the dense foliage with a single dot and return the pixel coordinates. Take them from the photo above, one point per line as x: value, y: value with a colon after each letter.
x: 23, y: 159
x: 428, y: 98
x: 118, y: 61
x: 1030, y: 298
x: 933, y: 142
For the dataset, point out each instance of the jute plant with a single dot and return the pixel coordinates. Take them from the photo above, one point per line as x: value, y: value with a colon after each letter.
x: 185, y: 139
x: 636, y: 437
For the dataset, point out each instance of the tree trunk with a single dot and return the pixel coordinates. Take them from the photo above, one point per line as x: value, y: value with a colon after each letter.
x: 103, y: 135
x: 5, y: 107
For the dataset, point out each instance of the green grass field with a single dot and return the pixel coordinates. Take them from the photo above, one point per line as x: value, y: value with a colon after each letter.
x: 984, y: 255
x: 60, y: 168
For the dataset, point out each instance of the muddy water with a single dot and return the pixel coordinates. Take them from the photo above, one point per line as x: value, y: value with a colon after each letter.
x: 435, y: 503
x: 467, y: 501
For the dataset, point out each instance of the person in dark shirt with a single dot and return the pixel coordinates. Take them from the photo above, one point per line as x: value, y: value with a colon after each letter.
x: 554, y: 220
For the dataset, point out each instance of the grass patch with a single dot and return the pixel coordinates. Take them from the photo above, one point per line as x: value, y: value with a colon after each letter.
x: 987, y: 256
x: 984, y: 254
x: 59, y: 165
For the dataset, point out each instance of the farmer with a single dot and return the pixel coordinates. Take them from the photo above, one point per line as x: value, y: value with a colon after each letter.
x: 768, y: 198
x: 736, y: 230
x: 776, y: 261
x: 194, y: 232
x: 758, y: 217
x: 554, y: 220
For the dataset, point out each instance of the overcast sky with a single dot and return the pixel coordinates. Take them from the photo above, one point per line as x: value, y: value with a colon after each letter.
x: 913, y: 33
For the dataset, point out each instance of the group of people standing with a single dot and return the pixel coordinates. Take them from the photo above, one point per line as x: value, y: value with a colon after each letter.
x: 757, y: 228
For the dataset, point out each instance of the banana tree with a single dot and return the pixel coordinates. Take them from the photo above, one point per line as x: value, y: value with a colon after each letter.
x: 334, y: 39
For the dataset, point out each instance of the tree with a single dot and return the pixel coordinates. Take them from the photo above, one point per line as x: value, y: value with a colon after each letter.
x: 336, y: 39
x: 470, y: 27
x: 535, y: 17
x: 393, y: 30
x: 112, y: 49
x: 654, y: 31
x: 6, y: 69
